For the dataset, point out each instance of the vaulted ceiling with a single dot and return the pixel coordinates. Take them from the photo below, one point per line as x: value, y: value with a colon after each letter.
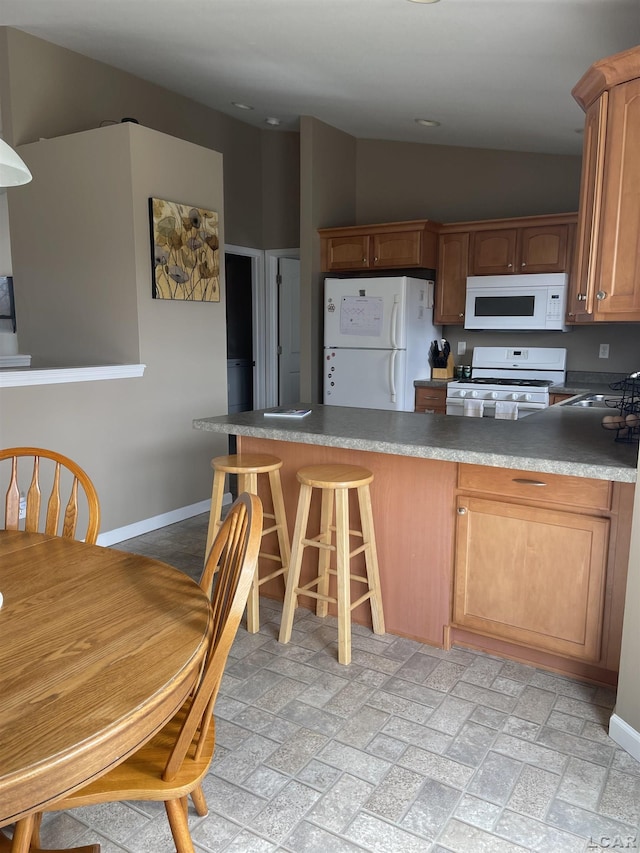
x: 493, y: 73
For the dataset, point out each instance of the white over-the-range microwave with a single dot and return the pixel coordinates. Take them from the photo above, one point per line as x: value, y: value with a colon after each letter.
x: 518, y: 302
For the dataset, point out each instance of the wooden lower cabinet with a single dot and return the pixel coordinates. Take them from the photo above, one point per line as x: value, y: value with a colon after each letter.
x: 558, y: 398
x: 412, y: 502
x: 531, y: 575
x: 431, y: 400
x: 542, y: 580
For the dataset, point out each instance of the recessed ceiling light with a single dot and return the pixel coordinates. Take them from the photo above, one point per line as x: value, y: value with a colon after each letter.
x: 424, y: 1
x: 274, y: 122
x: 427, y: 122
x: 241, y: 106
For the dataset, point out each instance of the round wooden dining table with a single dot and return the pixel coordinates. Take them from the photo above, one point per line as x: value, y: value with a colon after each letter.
x: 98, y: 650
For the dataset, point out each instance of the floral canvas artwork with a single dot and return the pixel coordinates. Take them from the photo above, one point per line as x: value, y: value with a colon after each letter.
x: 186, y: 252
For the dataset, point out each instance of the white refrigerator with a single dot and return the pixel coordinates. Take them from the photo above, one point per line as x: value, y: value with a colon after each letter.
x: 377, y: 333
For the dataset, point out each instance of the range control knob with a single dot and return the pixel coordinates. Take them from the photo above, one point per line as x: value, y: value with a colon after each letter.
x: 527, y: 396
x: 515, y: 396
x: 473, y: 393
x: 493, y: 395
x: 462, y: 393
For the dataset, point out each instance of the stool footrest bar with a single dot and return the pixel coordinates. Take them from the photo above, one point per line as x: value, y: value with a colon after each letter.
x: 274, y: 557
x: 270, y: 577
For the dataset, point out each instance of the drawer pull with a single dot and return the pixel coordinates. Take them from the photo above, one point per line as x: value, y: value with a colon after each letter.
x: 525, y: 481
x: 462, y: 510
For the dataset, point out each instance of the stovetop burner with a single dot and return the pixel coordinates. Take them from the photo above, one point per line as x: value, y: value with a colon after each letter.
x: 535, y: 383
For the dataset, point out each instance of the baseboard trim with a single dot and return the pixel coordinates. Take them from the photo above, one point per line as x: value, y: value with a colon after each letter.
x: 625, y: 736
x: 129, y: 531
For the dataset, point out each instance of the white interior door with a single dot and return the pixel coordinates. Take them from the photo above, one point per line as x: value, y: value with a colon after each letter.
x: 288, y: 331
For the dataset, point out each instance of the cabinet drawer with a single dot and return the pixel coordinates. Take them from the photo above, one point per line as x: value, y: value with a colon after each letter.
x: 532, y: 486
x: 431, y: 400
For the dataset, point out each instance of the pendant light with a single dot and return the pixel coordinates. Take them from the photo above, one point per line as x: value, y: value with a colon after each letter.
x: 13, y: 171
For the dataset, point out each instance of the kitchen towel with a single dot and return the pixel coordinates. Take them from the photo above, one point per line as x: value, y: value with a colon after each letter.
x: 473, y: 408
x: 506, y: 411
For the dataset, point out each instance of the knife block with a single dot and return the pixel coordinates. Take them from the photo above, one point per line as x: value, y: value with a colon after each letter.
x: 444, y: 372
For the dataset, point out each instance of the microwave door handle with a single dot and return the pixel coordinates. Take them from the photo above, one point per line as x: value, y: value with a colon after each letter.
x: 394, y: 323
x: 392, y: 374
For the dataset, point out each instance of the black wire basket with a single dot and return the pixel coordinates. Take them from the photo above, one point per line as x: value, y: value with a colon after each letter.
x: 627, y: 422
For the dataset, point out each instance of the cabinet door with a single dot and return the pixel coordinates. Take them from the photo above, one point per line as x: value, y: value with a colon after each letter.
x: 618, y: 265
x: 582, y: 283
x: 433, y: 400
x: 544, y: 249
x: 346, y: 253
x: 531, y: 575
x: 494, y: 252
x: 398, y: 249
x: 558, y: 398
x: 451, y: 278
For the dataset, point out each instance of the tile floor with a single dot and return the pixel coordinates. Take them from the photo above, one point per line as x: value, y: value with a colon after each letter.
x: 408, y: 750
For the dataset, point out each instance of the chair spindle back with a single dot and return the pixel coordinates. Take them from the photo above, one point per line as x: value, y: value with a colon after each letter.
x: 227, y: 578
x: 33, y: 497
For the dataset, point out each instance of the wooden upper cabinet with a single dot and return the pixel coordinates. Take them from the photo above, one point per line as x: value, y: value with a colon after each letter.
x: 494, y: 252
x: 618, y: 253
x: 582, y: 283
x: 534, y: 249
x: 607, y: 283
x: 349, y: 252
x: 544, y: 248
x: 392, y: 245
x: 451, y: 278
x: 397, y: 250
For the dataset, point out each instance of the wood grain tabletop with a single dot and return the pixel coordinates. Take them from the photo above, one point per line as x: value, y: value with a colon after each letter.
x: 98, y: 649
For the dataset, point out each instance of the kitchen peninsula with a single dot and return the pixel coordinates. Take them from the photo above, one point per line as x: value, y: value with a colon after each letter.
x: 553, y: 492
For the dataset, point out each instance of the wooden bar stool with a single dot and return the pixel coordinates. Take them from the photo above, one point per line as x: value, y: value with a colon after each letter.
x: 334, y: 480
x: 247, y: 466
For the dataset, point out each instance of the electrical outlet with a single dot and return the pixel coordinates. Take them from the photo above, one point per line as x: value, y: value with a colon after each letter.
x: 462, y: 347
x: 604, y: 351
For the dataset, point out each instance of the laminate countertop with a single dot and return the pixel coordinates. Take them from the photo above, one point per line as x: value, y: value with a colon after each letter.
x: 557, y: 440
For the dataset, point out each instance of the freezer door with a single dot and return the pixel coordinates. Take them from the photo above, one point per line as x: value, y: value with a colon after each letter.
x: 366, y: 313
x: 371, y: 379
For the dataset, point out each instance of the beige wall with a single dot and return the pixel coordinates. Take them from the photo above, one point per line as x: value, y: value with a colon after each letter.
x: 49, y: 91
x: 134, y: 437
x: 327, y: 180
x: 73, y: 250
x: 628, y: 696
x: 402, y: 180
x: 281, y: 190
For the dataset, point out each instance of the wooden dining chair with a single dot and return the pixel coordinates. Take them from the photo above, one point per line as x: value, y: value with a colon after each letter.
x: 171, y: 766
x: 57, y: 474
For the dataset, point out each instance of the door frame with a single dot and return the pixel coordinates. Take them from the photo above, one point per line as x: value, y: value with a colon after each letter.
x: 257, y: 318
x: 272, y: 256
x: 264, y: 299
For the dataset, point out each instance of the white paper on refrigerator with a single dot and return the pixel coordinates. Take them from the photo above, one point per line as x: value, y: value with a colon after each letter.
x: 361, y: 315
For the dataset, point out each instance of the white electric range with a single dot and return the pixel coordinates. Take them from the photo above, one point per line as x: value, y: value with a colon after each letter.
x: 507, y: 382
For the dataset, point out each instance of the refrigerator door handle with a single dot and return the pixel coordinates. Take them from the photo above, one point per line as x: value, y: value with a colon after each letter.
x: 392, y: 374
x: 394, y: 322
